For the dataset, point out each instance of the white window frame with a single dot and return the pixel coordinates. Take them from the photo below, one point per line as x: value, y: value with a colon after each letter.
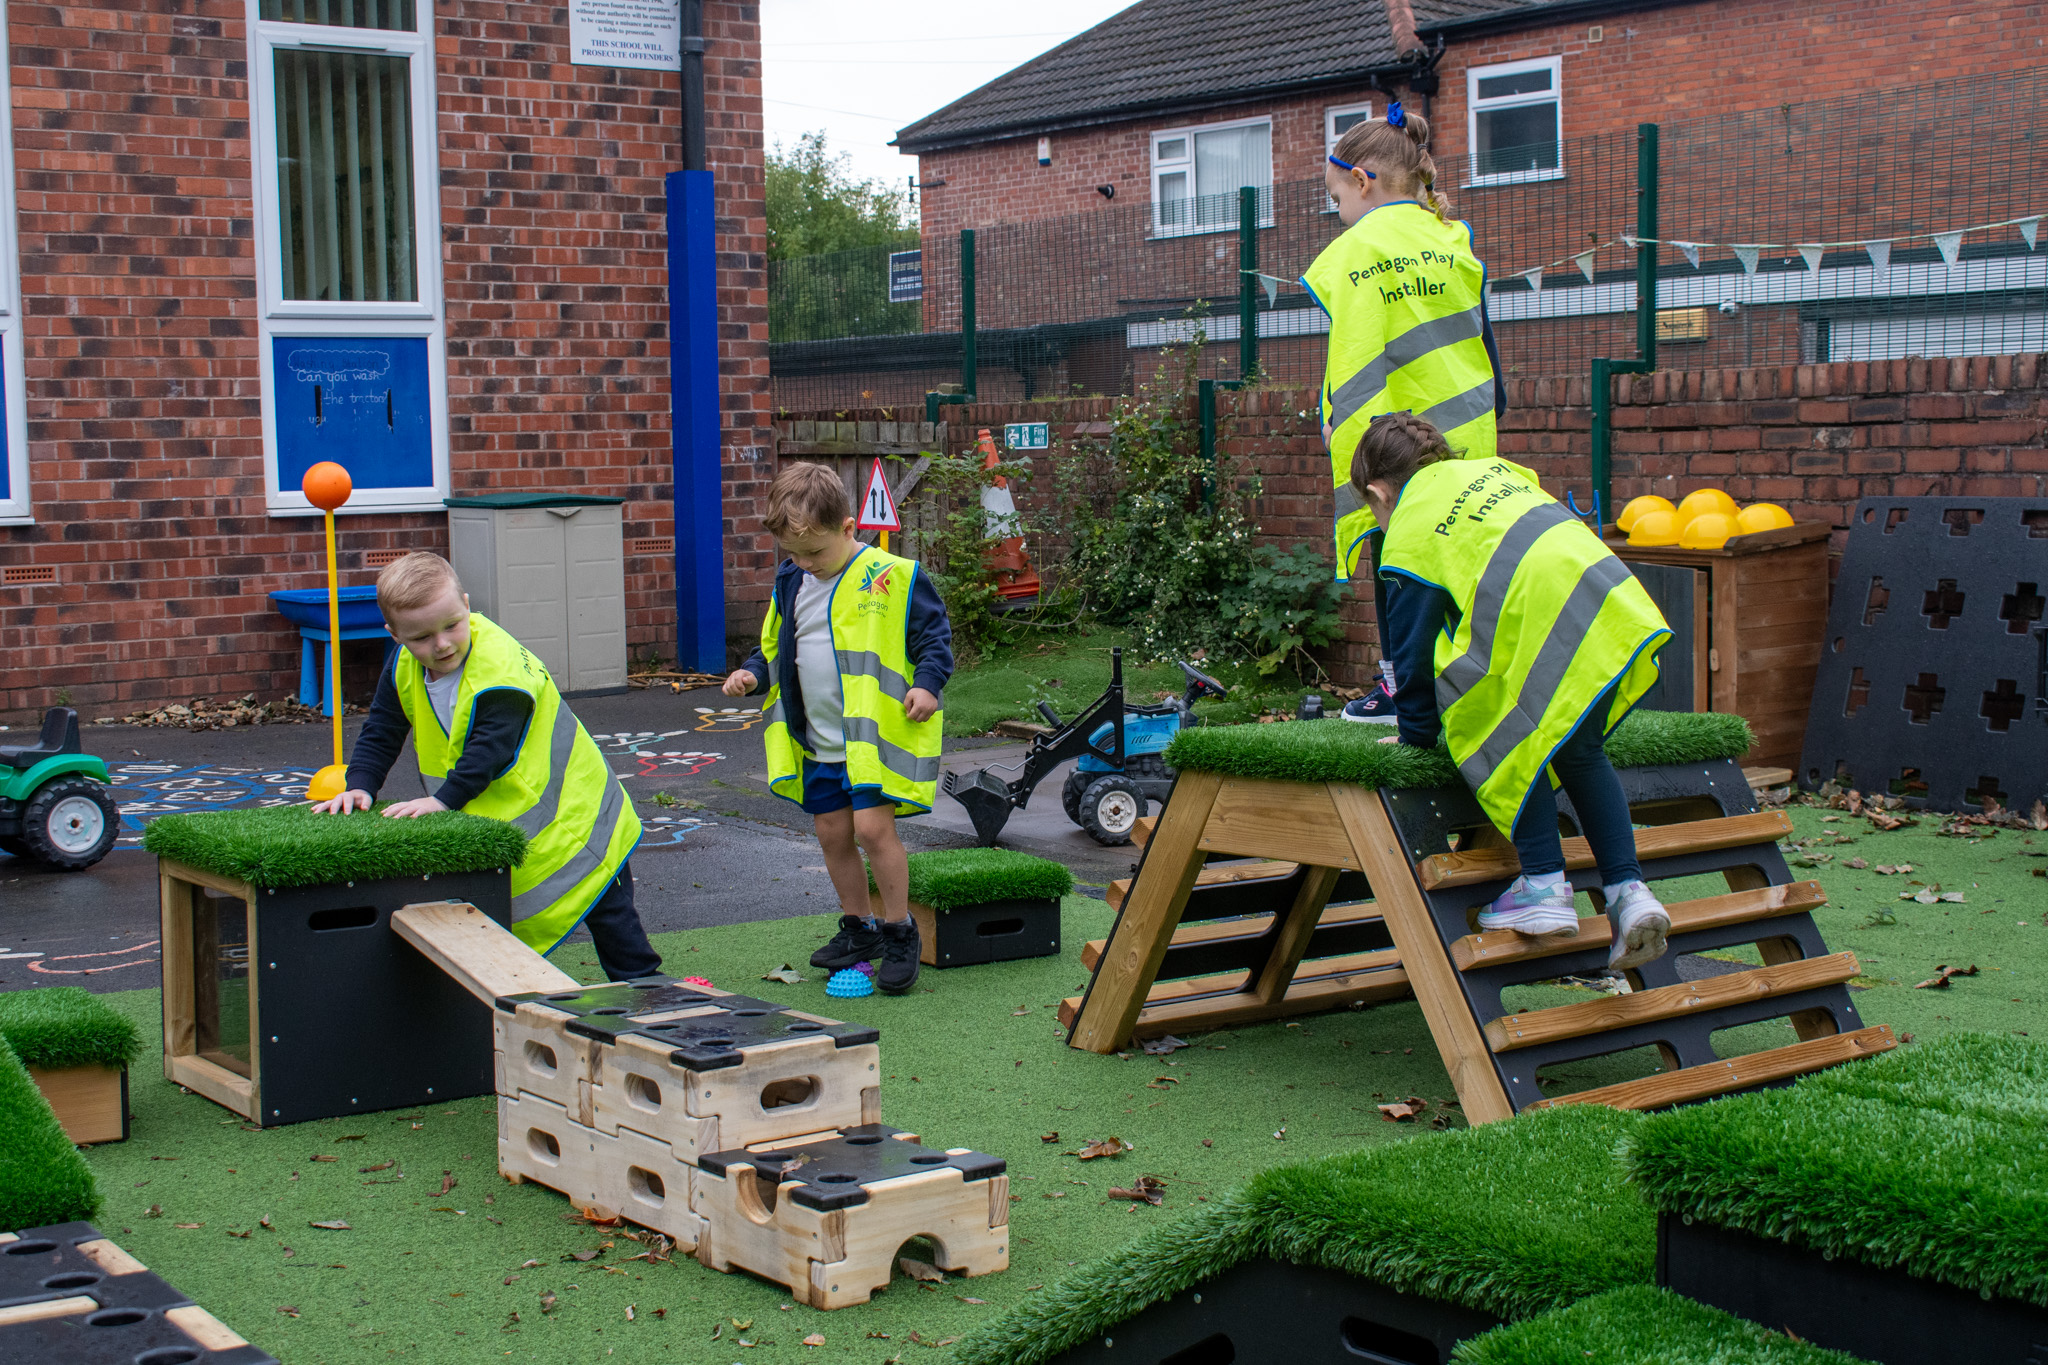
x: 1330, y: 136
x: 16, y: 508
x: 1474, y: 107
x: 282, y: 317
x: 1186, y: 165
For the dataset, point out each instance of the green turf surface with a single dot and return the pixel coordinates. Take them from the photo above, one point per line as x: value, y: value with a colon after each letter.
x: 1640, y: 1325
x: 60, y: 1026
x: 1510, y: 1219
x: 43, y: 1178
x: 1929, y: 1161
x: 945, y: 878
x: 277, y: 846
x: 1340, y: 751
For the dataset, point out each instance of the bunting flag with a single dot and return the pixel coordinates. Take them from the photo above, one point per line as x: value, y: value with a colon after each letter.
x: 1630, y: 241
x: 1880, y: 256
x: 1535, y: 279
x: 1272, y: 289
x: 1584, y: 261
x: 1747, y: 255
x: 1950, y: 244
x: 1812, y: 253
x: 1692, y: 252
x: 2030, y: 228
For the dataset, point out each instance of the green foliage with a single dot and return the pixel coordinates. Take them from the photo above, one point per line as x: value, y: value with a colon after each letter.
x: 1927, y: 1160
x: 59, y: 1026
x: 954, y: 550
x: 1340, y: 751
x: 945, y: 878
x: 43, y: 1180
x: 829, y: 239
x: 292, y: 846
x: 1640, y: 1325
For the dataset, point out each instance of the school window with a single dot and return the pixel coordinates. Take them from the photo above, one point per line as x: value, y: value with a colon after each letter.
x: 1515, y: 122
x: 1336, y: 123
x: 15, y: 509
x: 1197, y: 172
x: 353, y: 361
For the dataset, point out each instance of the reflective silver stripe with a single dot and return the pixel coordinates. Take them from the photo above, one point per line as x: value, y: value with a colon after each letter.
x: 1463, y: 673
x: 561, y: 745
x: 1418, y: 341
x: 1453, y: 413
x: 774, y: 714
x: 582, y: 863
x: 862, y: 663
x: 899, y: 761
x: 1553, y: 661
x: 1348, y: 500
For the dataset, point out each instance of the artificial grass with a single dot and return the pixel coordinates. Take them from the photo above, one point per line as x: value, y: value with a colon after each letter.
x: 43, y: 1179
x: 945, y: 878
x: 1340, y: 751
x: 1510, y: 1219
x: 58, y: 1026
x: 277, y: 846
x: 1640, y: 1325
x: 1928, y: 1160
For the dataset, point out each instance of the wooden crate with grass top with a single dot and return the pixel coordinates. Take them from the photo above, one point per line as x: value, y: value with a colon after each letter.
x: 77, y: 1048
x: 1324, y: 795
x: 983, y: 905
x: 69, y: 1294
x: 286, y: 995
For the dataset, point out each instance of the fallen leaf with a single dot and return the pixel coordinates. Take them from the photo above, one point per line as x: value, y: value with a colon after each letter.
x: 288, y: 1310
x: 1409, y: 1108
x: 157, y: 1211
x: 264, y: 1221
x: 1048, y: 1137
x: 1856, y: 863
x: 1898, y: 871
x: 380, y: 1166
x: 1208, y: 1142
x: 1943, y: 975
x: 352, y: 1137
x: 528, y: 1265
x: 629, y: 1312
x: 188, y: 1225
x: 1281, y: 1136
x: 1145, y: 1189
x: 1159, y: 1047
x: 1162, y: 1082
x: 786, y: 974
x: 547, y: 1300
x: 1889, y: 822
x: 447, y: 1181
x: 585, y: 1255
x: 1109, y: 1146
x: 922, y: 1271
x: 962, y: 1297
x: 238, y: 1234
x: 331, y: 1225
x: 815, y: 1339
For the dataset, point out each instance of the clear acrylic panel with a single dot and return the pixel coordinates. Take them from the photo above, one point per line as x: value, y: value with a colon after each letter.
x: 220, y: 982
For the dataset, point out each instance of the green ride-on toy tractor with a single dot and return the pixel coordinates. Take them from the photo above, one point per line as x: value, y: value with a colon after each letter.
x: 55, y: 804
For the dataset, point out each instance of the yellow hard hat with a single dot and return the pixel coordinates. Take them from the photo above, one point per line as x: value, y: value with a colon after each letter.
x: 1637, y: 507
x: 1707, y: 531
x: 1702, y: 500
x: 1761, y: 516
x: 1654, y: 528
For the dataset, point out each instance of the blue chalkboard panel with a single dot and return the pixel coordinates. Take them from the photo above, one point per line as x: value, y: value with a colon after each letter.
x: 359, y: 401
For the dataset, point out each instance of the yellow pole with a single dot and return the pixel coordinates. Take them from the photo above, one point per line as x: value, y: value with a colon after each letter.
x: 885, y: 542
x: 334, y: 638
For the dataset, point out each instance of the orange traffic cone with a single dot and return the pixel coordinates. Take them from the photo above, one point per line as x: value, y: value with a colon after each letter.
x: 1015, y: 578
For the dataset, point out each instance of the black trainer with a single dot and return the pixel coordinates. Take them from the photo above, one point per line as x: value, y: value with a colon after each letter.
x: 900, y: 949
x: 857, y: 941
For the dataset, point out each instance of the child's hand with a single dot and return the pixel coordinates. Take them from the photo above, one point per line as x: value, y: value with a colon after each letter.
x: 407, y: 810
x: 740, y: 683
x: 352, y: 799
x: 1328, y: 432
x: 919, y: 705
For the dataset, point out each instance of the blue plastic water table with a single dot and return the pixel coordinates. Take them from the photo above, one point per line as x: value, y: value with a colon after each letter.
x: 306, y: 608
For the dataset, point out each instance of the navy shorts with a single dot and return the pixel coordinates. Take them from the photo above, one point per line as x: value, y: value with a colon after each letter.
x: 827, y: 788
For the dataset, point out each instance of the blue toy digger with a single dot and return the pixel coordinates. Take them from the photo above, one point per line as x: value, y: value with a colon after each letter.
x: 1122, y: 765
x: 55, y: 804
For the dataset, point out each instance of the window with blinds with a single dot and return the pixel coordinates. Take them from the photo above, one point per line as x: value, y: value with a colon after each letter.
x: 386, y: 14
x: 344, y: 174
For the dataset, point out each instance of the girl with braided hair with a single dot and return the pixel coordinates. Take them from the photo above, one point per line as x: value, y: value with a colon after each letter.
x: 1408, y: 328
x: 1522, y: 641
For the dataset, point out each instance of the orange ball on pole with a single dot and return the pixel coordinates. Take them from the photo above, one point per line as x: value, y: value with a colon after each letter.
x: 327, y: 485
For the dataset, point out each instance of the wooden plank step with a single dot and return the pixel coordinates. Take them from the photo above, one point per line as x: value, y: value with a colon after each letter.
x: 1666, y: 1002
x: 1662, y: 841
x: 1210, y: 1002
x: 1736, y: 1073
x: 1215, y: 874
x: 1710, y: 912
x: 1759, y: 778
x: 1251, y: 926
x: 483, y: 956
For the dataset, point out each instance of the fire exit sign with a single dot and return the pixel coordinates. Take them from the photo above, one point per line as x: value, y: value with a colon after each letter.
x: 1027, y: 435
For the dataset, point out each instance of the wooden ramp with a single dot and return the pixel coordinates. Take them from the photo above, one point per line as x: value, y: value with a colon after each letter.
x: 1419, y: 864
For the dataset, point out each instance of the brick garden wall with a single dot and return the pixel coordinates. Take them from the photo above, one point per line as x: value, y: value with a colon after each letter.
x: 133, y: 150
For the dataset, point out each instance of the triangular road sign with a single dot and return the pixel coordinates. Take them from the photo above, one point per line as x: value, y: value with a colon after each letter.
x: 878, y: 505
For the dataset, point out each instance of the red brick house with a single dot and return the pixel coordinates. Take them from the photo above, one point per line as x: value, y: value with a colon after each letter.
x: 217, y: 217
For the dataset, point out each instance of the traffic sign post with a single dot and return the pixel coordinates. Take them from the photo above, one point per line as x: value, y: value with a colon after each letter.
x: 878, y: 506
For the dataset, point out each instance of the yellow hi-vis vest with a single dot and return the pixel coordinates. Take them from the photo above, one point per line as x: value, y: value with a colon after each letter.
x: 1405, y: 297
x: 1548, y: 620
x: 560, y: 791
x: 870, y: 618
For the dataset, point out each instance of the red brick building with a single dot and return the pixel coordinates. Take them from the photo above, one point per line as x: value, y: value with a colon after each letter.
x: 227, y: 214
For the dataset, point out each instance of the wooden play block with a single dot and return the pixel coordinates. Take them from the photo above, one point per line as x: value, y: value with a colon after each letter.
x: 626, y: 1174
x: 826, y: 1219
x: 90, y: 1101
x: 994, y: 931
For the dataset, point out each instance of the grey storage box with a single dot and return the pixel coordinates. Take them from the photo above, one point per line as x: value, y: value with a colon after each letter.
x: 550, y: 568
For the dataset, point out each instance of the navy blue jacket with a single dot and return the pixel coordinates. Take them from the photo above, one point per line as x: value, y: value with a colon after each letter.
x: 1416, y: 614
x: 928, y: 643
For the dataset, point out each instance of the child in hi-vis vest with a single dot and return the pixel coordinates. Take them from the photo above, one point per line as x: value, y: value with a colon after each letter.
x: 1520, y: 638
x: 854, y: 654
x: 1408, y: 329
x: 489, y: 727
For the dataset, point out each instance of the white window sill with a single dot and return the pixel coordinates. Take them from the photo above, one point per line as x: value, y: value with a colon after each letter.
x: 24, y: 520
x: 1512, y: 178
x: 299, y: 507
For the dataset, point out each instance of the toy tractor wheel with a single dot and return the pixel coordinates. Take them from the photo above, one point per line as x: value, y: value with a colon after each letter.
x: 70, y: 823
x: 1070, y: 794
x: 1109, y: 808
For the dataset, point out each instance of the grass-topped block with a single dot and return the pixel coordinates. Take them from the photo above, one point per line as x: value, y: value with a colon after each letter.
x: 1891, y: 1208
x: 1641, y: 1326
x: 1343, y: 751
x: 77, y: 1048
x: 1430, y: 1241
x: 288, y: 846
x: 43, y: 1180
x: 984, y: 905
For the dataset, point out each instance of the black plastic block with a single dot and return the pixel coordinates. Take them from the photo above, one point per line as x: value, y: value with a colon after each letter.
x: 830, y: 1174
x: 995, y: 931
x: 705, y: 1042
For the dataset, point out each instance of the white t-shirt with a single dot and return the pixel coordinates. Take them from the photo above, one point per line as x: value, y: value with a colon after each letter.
x: 441, y: 692
x: 817, y: 669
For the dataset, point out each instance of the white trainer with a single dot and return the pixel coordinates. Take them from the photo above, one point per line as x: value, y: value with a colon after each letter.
x: 1538, y: 911
x: 1640, y: 924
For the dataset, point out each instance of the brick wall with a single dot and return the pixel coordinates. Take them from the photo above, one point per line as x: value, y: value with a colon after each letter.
x: 132, y: 150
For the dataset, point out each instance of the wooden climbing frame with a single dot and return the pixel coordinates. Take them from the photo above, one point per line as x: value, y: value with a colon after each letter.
x: 1258, y: 898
